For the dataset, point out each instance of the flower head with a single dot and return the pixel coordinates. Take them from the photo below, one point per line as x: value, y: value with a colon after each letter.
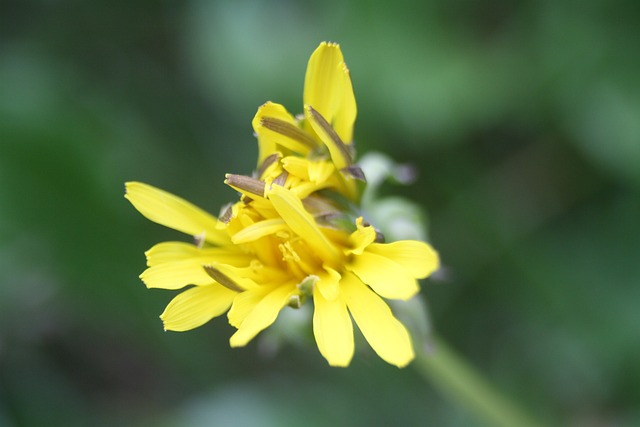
x: 295, y: 237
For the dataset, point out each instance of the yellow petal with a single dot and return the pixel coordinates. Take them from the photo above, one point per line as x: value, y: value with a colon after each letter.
x: 263, y: 315
x: 275, y: 127
x: 180, y: 251
x: 170, y: 251
x: 328, y: 89
x: 258, y: 230
x: 361, y: 238
x: 418, y: 258
x: 333, y: 329
x: 244, y: 277
x: 302, y: 223
x: 171, y: 211
x: 244, y: 303
x: 175, y: 275
x: 328, y: 283
x: 386, y: 335
x: 196, y: 306
x: 320, y: 171
x: 388, y: 278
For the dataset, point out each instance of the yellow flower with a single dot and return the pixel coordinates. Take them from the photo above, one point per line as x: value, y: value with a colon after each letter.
x: 295, y: 235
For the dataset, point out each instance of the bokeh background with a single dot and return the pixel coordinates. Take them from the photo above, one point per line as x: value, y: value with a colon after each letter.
x: 523, y: 119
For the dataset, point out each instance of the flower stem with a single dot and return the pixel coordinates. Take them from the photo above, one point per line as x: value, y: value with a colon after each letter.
x: 461, y: 383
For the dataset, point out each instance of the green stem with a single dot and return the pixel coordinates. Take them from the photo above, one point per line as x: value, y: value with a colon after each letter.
x: 461, y: 383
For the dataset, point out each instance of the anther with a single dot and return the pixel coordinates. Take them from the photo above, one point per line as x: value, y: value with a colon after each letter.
x: 246, y: 184
x: 331, y: 133
x: 289, y: 130
x: 222, y: 278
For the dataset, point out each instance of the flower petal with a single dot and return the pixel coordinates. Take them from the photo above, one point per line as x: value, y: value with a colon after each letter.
x: 275, y: 126
x: 316, y: 171
x: 176, y: 275
x: 263, y: 315
x: 386, y: 335
x: 196, y: 306
x: 244, y: 303
x: 171, y: 211
x: 388, y: 278
x: 418, y: 258
x: 328, y: 283
x: 328, y: 89
x: 302, y: 222
x: 180, y: 251
x: 333, y: 329
x: 259, y: 229
x: 360, y: 239
x: 169, y: 252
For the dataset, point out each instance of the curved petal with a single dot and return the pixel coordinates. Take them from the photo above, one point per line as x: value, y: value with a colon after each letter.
x: 302, y: 222
x: 328, y: 89
x: 275, y: 126
x: 171, y: 211
x: 360, y: 239
x: 388, y: 278
x: 264, y: 313
x: 196, y: 306
x: 341, y: 154
x: 316, y: 171
x: 175, y: 275
x: 418, y: 258
x: 333, y: 329
x: 328, y: 283
x: 386, y: 335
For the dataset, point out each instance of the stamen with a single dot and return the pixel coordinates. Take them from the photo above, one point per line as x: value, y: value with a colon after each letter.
x: 267, y: 162
x: 289, y: 130
x: 199, y: 239
x: 244, y: 183
x: 226, y: 213
x: 331, y: 133
x: 222, y: 278
x: 354, y: 171
x: 281, y: 179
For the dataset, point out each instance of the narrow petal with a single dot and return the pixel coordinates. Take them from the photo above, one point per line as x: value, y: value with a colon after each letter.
x: 302, y: 223
x: 196, y: 306
x: 169, y: 252
x: 275, y: 126
x: 175, y: 275
x: 418, y: 258
x: 333, y: 329
x: 258, y: 230
x: 263, y: 315
x: 328, y: 89
x: 180, y: 251
x: 171, y: 211
x: 341, y: 154
x: 386, y: 335
x: 388, y: 278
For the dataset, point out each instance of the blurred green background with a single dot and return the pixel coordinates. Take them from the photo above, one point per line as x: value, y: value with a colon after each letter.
x: 523, y: 119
